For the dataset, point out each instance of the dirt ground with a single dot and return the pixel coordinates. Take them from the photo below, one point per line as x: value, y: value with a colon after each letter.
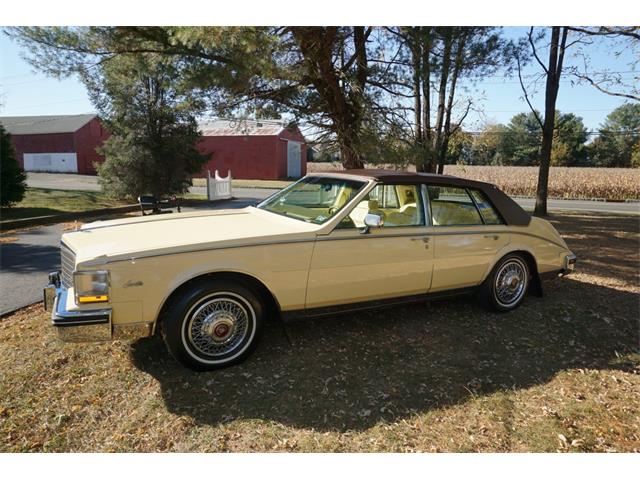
x: 561, y: 373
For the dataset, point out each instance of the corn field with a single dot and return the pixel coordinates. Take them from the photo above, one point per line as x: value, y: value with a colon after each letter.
x: 564, y: 182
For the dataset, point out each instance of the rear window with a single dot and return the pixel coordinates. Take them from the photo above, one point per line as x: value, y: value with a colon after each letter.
x: 452, y: 206
x: 489, y: 214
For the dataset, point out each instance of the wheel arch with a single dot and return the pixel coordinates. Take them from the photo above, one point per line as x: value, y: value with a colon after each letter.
x: 270, y: 301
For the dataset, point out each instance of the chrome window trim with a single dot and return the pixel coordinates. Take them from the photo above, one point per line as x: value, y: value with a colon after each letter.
x: 426, y: 205
x: 484, y: 222
x: 495, y: 210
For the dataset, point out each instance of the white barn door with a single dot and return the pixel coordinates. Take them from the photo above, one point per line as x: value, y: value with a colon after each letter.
x: 51, y: 162
x: 294, y: 168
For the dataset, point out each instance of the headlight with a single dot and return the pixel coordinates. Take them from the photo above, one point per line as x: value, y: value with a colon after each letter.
x: 91, y: 286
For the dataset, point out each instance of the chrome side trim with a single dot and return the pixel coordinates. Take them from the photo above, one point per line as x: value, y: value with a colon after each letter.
x: 324, y: 238
x: 375, y: 304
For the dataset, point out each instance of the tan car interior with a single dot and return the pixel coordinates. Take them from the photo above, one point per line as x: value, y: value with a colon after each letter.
x: 452, y: 207
x: 402, y: 211
x: 449, y: 206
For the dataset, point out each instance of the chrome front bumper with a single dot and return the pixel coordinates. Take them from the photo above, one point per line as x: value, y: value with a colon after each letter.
x: 77, y: 325
x: 86, y: 325
x: 569, y: 264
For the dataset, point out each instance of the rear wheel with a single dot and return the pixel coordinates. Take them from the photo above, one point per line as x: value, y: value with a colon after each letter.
x: 213, y: 324
x: 507, y: 284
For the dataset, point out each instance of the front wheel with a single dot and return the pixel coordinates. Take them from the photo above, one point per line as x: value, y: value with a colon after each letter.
x: 213, y: 324
x: 507, y: 284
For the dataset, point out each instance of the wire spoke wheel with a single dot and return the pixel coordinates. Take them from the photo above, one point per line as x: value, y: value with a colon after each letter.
x: 218, y: 327
x: 510, y: 282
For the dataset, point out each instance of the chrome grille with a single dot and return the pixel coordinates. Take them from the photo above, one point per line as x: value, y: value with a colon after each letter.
x: 67, y: 264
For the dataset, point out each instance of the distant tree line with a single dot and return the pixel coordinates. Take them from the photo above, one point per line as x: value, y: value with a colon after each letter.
x: 615, y: 144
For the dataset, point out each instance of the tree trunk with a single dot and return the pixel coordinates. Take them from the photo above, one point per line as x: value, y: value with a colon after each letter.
x: 426, y: 102
x: 446, y: 134
x: 442, y: 95
x: 416, y: 57
x: 350, y: 158
x: 554, y: 71
x: 343, y: 103
x: 348, y: 141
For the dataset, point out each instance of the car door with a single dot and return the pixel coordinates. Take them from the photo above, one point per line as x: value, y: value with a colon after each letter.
x: 396, y: 260
x: 467, y: 233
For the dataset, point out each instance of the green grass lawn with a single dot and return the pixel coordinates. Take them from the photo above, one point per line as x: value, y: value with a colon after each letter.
x: 39, y: 202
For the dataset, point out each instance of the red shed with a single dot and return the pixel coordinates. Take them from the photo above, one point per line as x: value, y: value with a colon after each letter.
x: 254, y: 149
x: 56, y: 143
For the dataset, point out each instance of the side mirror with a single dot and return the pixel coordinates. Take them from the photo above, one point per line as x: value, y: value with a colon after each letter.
x: 372, y: 220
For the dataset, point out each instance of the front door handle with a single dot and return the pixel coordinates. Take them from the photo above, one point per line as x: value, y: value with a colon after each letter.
x: 421, y: 239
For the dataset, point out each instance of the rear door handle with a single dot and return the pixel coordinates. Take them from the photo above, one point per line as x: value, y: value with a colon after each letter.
x: 495, y: 237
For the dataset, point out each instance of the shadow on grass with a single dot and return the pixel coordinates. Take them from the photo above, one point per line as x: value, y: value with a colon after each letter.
x: 351, y: 372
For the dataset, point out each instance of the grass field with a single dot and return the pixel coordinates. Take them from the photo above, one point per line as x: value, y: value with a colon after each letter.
x: 564, y: 182
x: 561, y: 373
x: 39, y: 202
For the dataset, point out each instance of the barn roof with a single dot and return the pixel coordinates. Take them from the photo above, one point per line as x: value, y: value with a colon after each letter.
x: 233, y: 128
x: 45, y: 123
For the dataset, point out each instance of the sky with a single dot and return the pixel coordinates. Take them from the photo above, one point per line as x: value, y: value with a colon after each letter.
x: 25, y: 92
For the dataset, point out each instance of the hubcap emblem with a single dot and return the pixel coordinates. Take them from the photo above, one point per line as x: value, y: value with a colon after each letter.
x: 219, y: 327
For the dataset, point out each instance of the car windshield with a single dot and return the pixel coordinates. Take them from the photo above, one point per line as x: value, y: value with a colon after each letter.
x: 313, y: 199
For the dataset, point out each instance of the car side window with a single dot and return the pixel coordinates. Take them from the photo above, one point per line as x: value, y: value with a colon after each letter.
x: 398, y: 205
x: 452, y: 206
x: 488, y: 212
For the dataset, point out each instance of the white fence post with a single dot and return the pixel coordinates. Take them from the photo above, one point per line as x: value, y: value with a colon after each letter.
x: 218, y: 188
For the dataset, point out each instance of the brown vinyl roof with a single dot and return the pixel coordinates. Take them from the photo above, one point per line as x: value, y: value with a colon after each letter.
x: 511, y: 212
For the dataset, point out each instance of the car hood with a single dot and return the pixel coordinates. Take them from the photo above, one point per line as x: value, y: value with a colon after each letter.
x: 100, y: 242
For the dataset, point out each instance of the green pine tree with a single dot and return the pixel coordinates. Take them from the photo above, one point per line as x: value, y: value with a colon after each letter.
x: 12, y: 177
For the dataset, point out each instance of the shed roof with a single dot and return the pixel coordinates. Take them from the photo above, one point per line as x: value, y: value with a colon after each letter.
x: 242, y: 127
x: 39, y: 124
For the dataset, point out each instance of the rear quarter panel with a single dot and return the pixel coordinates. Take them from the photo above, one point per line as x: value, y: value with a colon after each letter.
x: 541, y: 240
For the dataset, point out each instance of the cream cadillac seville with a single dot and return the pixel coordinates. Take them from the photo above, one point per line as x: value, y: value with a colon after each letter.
x: 328, y: 243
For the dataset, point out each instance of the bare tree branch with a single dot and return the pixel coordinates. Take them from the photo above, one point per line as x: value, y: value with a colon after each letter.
x: 604, y: 90
x: 633, y: 32
x: 526, y: 95
x: 535, y: 52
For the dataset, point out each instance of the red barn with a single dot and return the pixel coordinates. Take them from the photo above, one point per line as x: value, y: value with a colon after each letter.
x: 254, y: 149
x: 56, y: 143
